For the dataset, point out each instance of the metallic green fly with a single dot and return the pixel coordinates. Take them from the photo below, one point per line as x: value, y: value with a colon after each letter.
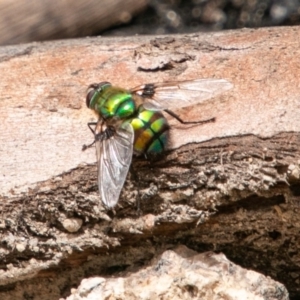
x: 131, y: 122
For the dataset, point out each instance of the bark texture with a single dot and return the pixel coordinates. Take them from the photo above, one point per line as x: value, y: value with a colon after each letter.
x: 230, y: 186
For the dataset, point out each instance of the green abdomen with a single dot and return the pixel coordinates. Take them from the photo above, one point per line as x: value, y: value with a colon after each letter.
x: 115, y: 102
x: 150, y: 132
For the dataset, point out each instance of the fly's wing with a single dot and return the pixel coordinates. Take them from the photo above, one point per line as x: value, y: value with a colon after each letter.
x: 114, y: 158
x: 172, y: 95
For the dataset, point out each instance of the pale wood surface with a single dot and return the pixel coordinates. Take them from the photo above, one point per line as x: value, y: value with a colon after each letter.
x: 245, y: 166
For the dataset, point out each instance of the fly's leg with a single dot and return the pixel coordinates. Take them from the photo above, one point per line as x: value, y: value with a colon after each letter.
x: 175, y: 116
x: 90, y: 124
x: 84, y: 147
x: 101, y: 136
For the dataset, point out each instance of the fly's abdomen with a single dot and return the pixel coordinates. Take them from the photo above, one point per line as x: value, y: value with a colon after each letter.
x: 150, y: 132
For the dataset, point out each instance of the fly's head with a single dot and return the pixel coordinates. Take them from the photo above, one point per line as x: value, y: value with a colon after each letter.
x: 94, y: 92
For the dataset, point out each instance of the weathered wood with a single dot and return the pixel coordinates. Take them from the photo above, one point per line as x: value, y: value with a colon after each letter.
x: 244, y: 167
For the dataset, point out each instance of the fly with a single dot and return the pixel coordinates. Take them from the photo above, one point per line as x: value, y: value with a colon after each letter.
x: 131, y: 122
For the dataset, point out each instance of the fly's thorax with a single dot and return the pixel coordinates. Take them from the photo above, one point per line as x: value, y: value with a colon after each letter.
x: 151, y: 131
x: 111, y: 102
x: 117, y: 103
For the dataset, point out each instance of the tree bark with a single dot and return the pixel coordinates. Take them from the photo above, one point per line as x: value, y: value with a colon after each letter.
x: 230, y: 186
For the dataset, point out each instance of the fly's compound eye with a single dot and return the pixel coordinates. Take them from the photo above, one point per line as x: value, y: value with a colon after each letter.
x: 90, y: 93
x: 93, y: 89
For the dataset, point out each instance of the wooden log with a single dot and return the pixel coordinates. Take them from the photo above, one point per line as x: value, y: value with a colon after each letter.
x: 229, y: 186
x: 26, y: 21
